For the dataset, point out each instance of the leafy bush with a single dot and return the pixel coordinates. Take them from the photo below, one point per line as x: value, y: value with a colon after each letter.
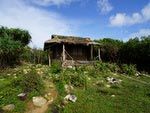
x: 35, y: 55
x: 56, y: 67
x: 129, y: 69
x: 12, y: 42
x: 75, y: 77
x: 32, y: 81
x: 10, y: 51
x: 107, y: 67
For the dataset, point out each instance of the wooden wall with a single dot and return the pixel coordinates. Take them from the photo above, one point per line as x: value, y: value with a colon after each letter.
x: 76, y: 51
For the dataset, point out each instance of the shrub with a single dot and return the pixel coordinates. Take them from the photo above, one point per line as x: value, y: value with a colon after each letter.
x: 10, y: 51
x: 12, y: 42
x: 56, y: 67
x: 32, y: 81
x: 129, y: 69
x: 75, y: 77
x: 113, y: 67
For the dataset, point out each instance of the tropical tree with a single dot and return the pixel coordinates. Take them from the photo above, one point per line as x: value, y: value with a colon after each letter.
x: 12, y: 42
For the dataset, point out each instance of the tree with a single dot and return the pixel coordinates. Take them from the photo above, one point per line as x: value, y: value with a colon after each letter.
x: 110, y: 49
x: 16, y: 34
x: 12, y: 42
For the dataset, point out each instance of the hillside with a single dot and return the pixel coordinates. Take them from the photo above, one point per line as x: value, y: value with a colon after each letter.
x: 99, y: 88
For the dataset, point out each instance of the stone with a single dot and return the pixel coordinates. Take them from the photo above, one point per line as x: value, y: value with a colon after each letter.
x: 108, y: 86
x: 49, y: 97
x: 88, y: 78
x: 9, y: 107
x: 112, y: 95
x: 112, y: 80
x: 69, y: 67
x: 68, y: 88
x: 22, y: 96
x: 39, y: 101
x: 71, y: 98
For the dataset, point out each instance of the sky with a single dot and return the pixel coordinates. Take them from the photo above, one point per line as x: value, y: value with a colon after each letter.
x: 97, y: 19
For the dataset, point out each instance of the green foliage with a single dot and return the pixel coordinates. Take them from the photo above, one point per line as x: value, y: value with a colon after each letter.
x: 60, y: 87
x: 122, y: 98
x: 110, y: 49
x: 12, y: 42
x: 75, y: 77
x: 134, y: 51
x: 107, y: 67
x: 128, y: 69
x: 16, y: 34
x: 14, y: 81
x: 35, y: 55
x: 56, y: 67
x: 10, y: 51
x: 32, y: 81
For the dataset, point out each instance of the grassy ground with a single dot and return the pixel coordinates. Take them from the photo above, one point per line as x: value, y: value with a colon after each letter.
x: 94, y: 93
x: 26, y: 78
x: 130, y: 97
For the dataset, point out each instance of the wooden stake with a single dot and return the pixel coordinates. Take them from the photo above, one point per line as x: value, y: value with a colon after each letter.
x: 99, y: 54
x: 91, y: 52
x: 64, y: 56
x: 49, y: 57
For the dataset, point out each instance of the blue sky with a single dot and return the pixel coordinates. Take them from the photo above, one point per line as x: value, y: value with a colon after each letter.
x: 118, y: 19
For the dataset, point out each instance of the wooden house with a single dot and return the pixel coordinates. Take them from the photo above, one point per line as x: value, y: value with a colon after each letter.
x: 71, y: 50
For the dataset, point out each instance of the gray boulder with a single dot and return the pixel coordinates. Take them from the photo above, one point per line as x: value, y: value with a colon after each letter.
x: 9, y: 107
x: 39, y: 101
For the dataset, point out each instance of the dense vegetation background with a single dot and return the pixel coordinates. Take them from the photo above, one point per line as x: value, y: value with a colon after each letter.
x: 14, y: 49
x: 135, y: 51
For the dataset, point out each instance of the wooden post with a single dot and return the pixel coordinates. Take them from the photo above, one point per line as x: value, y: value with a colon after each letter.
x: 91, y: 52
x: 64, y: 56
x: 99, y: 54
x: 49, y: 57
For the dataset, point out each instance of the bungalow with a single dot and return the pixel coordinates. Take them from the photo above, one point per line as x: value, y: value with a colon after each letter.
x: 71, y: 50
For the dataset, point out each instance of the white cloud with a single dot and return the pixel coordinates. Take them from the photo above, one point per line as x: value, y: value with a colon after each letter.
x: 122, y: 19
x: 146, y: 12
x: 141, y: 32
x: 104, y: 6
x: 53, y: 2
x: 40, y: 23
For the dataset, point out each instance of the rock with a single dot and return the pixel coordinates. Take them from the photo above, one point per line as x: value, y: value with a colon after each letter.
x: 108, y: 86
x: 68, y: 88
x: 69, y: 67
x: 71, y: 98
x: 39, y: 101
x: 22, y: 96
x: 49, y: 97
x: 9, y: 107
x: 113, y: 80
x: 112, y: 95
x: 88, y: 78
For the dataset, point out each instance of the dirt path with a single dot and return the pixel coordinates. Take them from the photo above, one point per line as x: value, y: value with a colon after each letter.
x: 34, y: 109
x: 52, y: 95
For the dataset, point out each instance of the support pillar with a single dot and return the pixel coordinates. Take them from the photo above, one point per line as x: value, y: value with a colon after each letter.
x: 99, y: 54
x: 64, y: 56
x: 91, y: 52
x: 49, y: 57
